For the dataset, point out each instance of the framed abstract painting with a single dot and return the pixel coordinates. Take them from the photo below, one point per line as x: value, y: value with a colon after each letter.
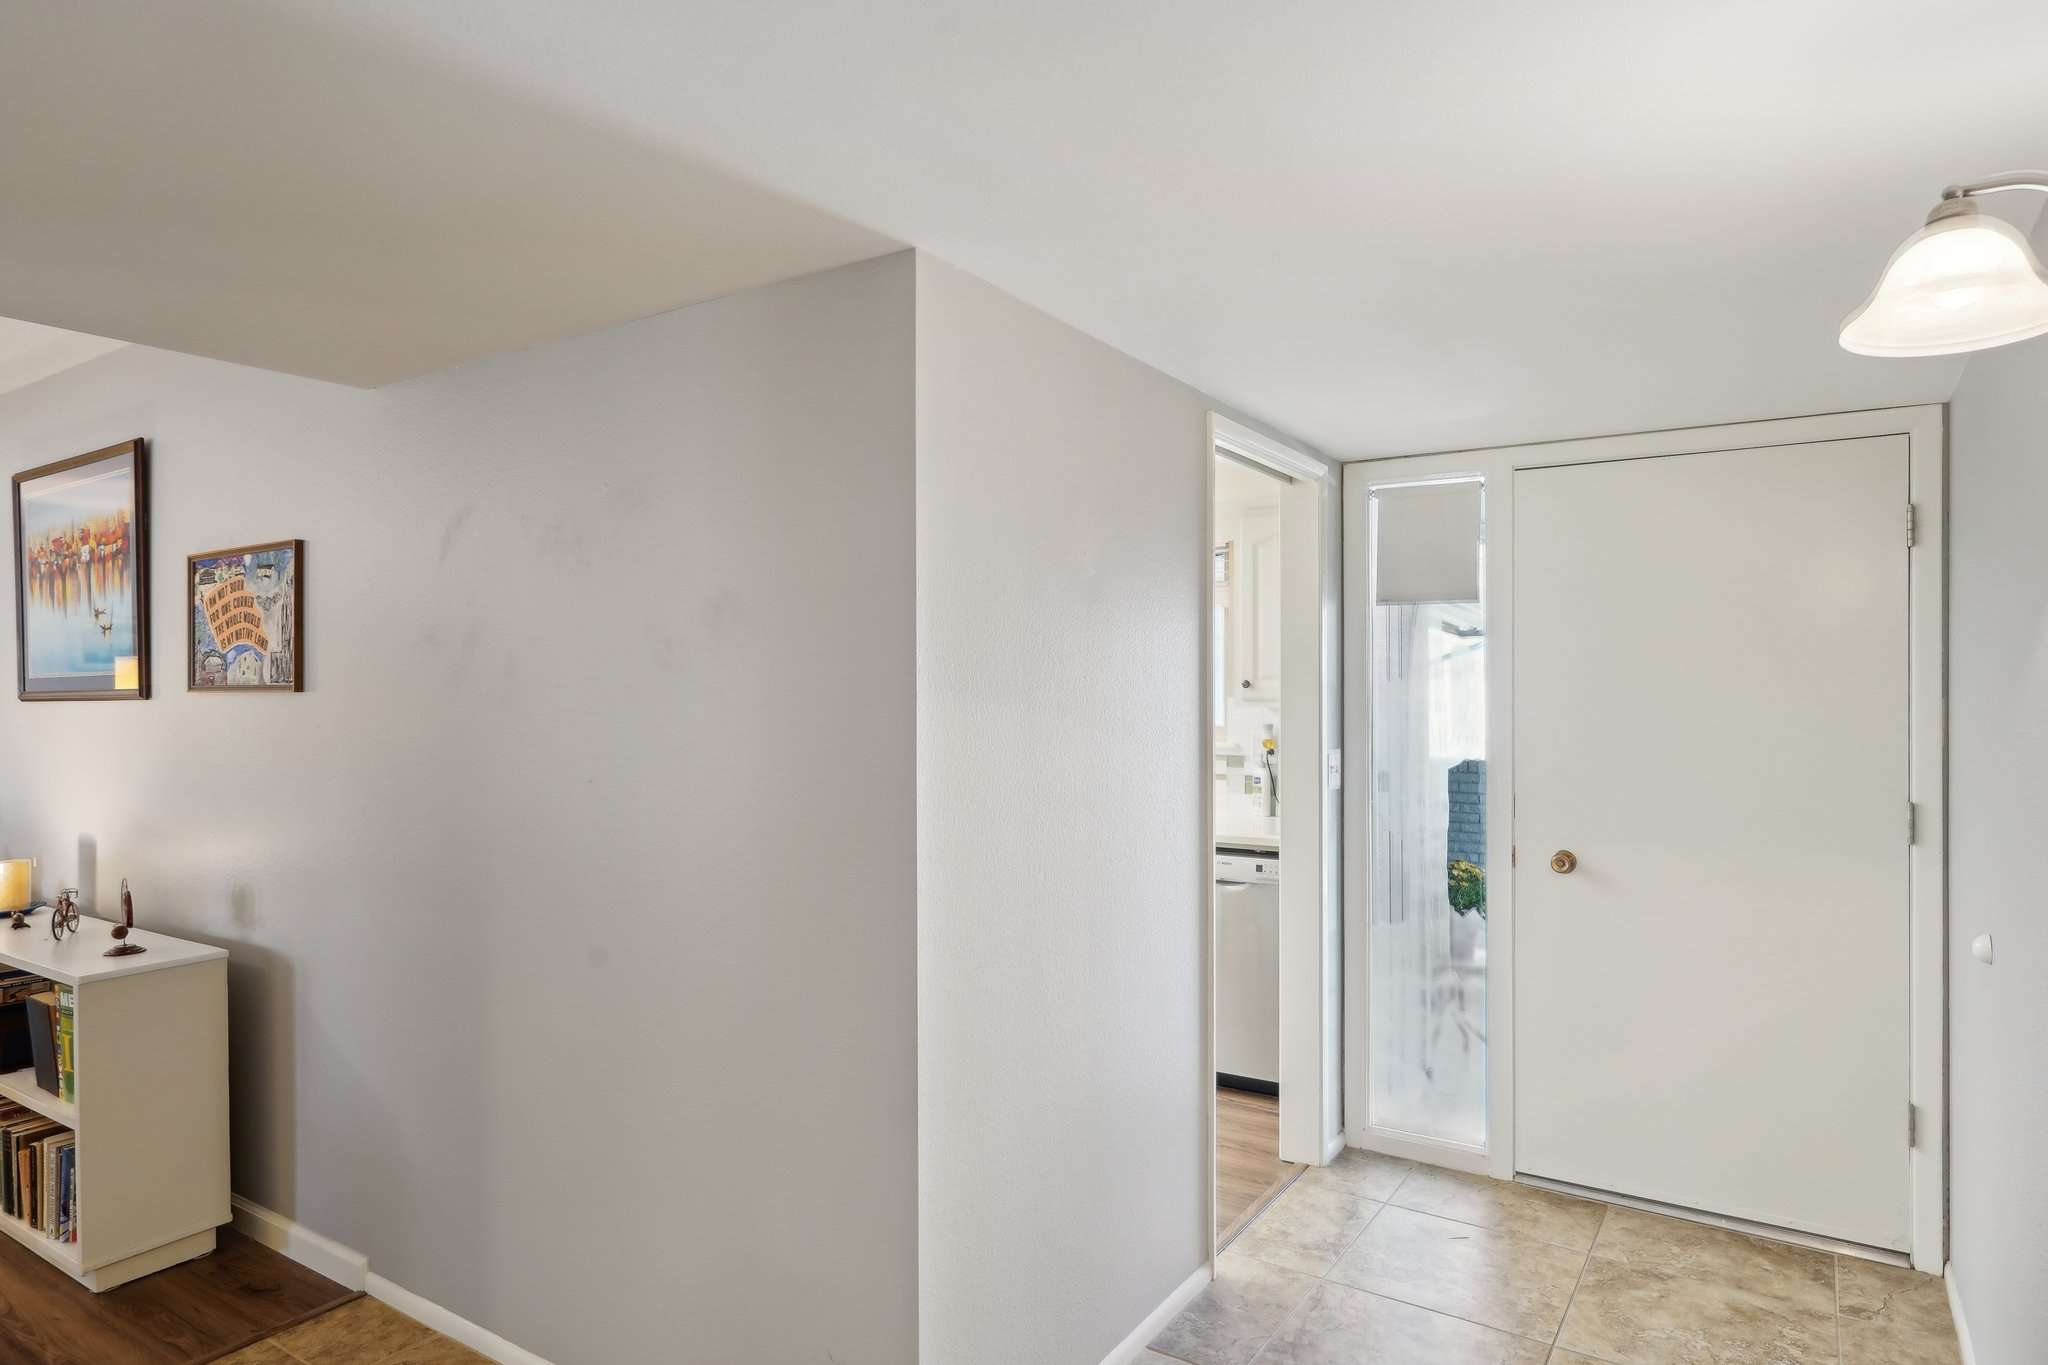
x: 81, y: 581
x: 244, y: 634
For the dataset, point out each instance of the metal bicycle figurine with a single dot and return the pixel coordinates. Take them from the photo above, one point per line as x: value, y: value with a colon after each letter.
x: 64, y: 914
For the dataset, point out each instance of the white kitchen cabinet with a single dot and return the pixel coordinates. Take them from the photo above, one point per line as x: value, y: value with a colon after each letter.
x: 1255, y: 607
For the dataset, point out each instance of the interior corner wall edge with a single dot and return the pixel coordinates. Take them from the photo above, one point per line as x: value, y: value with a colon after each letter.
x: 1062, y: 883
x: 530, y: 1001
x: 1998, y: 755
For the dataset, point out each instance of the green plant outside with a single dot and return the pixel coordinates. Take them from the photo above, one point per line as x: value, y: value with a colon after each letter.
x: 1468, y: 887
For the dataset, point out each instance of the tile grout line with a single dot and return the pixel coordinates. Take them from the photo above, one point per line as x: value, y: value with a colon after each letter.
x: 1388, y: 1203
x: 1555, y: 1346
x: 1316, y: 1280
x: 1580, y: 1279
x: 1433, y: 1312
x: 1426, y: 1308
x: 1322, y: 1277
x: 1838, y: 1306
x: 1379, y: 1206
x: 1506, y: 1232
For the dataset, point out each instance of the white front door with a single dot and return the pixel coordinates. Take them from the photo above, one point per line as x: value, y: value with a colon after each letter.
x: 1710, y: 708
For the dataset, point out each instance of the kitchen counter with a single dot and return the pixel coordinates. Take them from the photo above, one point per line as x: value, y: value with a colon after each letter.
x: 1238, y: 831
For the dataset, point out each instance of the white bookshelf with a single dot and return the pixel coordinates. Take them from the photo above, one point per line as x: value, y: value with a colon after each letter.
x: 151, y: 1056
x: 20, y: 1086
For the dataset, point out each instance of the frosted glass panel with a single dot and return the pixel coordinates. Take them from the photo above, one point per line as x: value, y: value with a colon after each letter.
x: 1427, y: 1031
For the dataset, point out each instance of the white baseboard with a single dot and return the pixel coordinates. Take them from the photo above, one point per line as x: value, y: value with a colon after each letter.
x: 1132, y: 1347
x: 323, y: 1255
x: 1955, y: 1310
x: 479, y: 1339
x: 351, y: 1269
x: 1333, y: 1149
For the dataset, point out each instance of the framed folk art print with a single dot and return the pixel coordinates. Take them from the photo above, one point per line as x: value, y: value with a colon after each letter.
x: 245, y: 633
x: 81, y: 577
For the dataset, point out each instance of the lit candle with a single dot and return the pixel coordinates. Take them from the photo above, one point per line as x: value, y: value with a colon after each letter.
x: 14, y: 874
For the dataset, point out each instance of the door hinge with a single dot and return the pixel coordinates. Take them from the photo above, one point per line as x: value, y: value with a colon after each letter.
x: 1912, y: 821
x: 1912, y: 1126
x: 1912, y: 527
x: 1513, y: 855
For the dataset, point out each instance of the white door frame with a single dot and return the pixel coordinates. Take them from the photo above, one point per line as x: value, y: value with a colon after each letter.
x: 1925, y: 428
x: 1311, y: 706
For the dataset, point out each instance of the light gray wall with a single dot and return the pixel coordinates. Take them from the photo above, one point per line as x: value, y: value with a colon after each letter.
x: 571, y: 907
x: 1998, y: 805
x: 1062, y: 580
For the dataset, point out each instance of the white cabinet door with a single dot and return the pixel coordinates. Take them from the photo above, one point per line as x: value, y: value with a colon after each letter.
x: 1257, y: 577
x: 1711, y: 715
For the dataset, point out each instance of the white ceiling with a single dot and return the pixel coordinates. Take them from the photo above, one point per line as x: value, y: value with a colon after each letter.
x: 1381, y: 227
x: 239, y: 181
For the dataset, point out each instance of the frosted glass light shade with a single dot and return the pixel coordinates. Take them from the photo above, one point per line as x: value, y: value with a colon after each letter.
x: 14, y: 875
x: 1961, y: 283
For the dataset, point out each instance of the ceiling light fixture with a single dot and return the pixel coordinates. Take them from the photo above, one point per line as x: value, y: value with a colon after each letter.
x: 1963, y: 282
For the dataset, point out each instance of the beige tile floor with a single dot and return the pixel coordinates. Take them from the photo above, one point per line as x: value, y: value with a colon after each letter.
x: 1372, y: 1261
x: 360, y: 1332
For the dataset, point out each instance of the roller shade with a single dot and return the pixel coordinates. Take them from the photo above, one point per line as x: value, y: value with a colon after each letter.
x: 1428, y: 543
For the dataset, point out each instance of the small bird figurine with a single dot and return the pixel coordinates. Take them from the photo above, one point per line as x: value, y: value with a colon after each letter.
x: 124, y: 948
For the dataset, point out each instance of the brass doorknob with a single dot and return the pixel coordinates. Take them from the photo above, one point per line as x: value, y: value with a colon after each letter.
x: 1564, y: 860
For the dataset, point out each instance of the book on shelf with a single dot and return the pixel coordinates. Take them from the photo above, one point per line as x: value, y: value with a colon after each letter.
x: 17, y: 1051
x: 15, y: 1136
x: 42, y: 1037
x: 50, y: 1158
x: 67, y: 1191
x: 22, y: 1043
x: 67, y: 1044
x: 19, y: 985
x: 39, y: 1173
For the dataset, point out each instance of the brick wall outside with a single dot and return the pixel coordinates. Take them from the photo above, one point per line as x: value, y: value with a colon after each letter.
x: 1466, y: 838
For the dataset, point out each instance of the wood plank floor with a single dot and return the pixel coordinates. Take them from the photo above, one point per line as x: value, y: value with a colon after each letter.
x: 191, y: 1313
x: 1249, y: 1171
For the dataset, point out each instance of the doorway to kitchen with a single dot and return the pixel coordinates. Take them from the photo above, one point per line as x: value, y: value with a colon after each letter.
x: 1272, y: 700
x: 1246, y: 668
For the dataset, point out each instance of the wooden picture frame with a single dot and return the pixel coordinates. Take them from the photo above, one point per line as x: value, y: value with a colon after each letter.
x: 81, y: 564
x: 243, y: 637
